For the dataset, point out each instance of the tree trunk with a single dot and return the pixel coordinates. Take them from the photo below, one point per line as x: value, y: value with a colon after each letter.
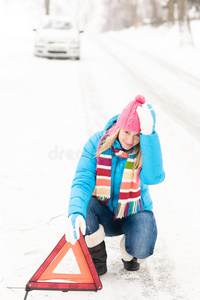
x: 171, y: 12
x: 181, y: 11
x: 47, y: 7
x: 184, y: 23
x: 134, y: 13
x: 155, y: 12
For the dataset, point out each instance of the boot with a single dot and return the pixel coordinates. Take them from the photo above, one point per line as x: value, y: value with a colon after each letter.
x: 131, y: 265
x: 99, y: 256
x: 96, y: 246
x: 130, y: 262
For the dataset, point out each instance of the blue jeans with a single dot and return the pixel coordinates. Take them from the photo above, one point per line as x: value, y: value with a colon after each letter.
x: 140, y: 229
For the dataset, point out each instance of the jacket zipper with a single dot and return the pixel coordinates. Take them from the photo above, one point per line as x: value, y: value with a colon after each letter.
x: 114, y: 183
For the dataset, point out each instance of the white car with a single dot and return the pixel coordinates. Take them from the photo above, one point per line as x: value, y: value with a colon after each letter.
x: 57, y: 38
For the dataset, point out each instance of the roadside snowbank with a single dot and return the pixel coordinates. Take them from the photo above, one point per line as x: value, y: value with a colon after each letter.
x: 164, y: 43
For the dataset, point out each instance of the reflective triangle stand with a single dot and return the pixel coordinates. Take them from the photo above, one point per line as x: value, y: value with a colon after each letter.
x: 46, y: 277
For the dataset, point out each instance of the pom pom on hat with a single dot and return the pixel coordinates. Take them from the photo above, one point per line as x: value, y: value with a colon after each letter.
x: 128, y: 119
x: 140, y: 99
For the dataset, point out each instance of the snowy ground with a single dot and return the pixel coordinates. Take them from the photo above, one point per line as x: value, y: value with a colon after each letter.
x: 49, y: 108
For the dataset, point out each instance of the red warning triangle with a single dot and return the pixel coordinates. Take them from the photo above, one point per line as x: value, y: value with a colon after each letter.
x: 48, y: 276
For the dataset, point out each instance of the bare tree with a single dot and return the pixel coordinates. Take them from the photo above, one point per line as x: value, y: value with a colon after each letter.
x: 154, y: 12
x: 196, y: 5
x: 171, y: 12
x: 47, y: 7
x: 133, y: 11
x: 184, y: 23
x: 182, y: 10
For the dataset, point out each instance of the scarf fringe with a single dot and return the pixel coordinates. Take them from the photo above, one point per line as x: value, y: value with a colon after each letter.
x: 122, y: 208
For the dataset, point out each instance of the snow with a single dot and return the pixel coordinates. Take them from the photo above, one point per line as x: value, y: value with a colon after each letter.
x: 49, y: 108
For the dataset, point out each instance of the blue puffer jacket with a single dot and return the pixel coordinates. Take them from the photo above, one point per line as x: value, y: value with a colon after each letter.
x: 85, y: 177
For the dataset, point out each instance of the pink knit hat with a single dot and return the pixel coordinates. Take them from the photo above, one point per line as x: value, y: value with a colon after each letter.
x: 128, y: 119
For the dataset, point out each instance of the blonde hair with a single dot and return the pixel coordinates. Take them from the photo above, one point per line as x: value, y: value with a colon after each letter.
x: 108, y: 142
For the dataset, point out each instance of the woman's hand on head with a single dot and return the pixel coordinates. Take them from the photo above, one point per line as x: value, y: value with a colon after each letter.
x: 147, y: 118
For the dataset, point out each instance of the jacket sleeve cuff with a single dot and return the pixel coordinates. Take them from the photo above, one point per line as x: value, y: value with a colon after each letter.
x: 152, y: 164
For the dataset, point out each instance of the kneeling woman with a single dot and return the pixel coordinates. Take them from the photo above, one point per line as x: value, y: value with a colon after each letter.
x: 110, y: 195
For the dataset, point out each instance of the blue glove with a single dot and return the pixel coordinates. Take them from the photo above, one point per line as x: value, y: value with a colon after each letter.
x: 74, y: 223
x: 147, y: 118
x: 153, y: 114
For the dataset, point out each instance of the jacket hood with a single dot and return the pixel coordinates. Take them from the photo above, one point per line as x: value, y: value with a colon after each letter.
x: 110, y: 123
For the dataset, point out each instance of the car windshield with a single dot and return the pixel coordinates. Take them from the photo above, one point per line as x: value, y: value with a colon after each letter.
x: 57, y: 25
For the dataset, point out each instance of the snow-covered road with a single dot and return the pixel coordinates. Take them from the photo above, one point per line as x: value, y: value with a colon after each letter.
x: 49, y: 108
x: 159, y: 79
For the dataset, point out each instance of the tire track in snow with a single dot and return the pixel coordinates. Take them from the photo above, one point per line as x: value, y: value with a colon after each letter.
x: 90, y: 103
x: 176, y: 105
x: 92, y: 107
x: 154, y: 280
x: 193, y: 80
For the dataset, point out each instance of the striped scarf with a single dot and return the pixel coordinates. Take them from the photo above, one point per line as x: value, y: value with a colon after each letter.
x: 130, y: 192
